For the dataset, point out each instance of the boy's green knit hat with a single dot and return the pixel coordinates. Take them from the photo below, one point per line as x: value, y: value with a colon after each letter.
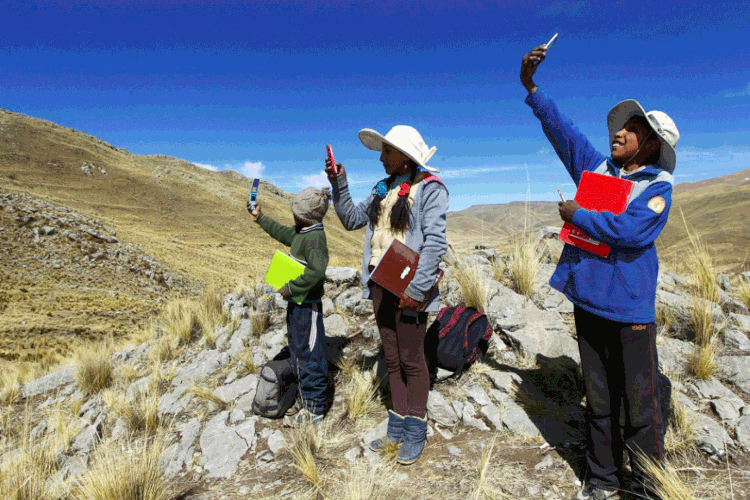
x: 311, y: 205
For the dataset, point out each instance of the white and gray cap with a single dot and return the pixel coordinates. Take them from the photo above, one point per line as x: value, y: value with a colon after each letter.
x: 662, y: 125
x: 310, y: 205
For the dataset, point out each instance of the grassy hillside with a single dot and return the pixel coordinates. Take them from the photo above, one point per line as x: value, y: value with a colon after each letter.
x: 173, y: 214
x: 717, y: 210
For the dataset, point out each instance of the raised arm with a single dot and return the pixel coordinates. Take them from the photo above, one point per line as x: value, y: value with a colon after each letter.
x: 571, y: 146
x: 351, y: 216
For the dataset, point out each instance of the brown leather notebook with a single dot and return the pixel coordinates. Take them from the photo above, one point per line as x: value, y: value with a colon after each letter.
x: 396, y: 269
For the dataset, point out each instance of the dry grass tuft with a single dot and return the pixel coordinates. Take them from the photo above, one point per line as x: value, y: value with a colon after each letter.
x: 304, y: 446
x: 359, y: 394
x: 666, y: 481
x: 473, y: 285
x: 743, y: 292
x: 525, y: 263
x: 260, y: 321
x: 665, y: 319
x: 181, y: 319
x: 209, y: 396
x: 129, y: 472
x: 702, y: 361
x: 483, y: 488
x: 95, y: 374
x: 361, y: 483
x: 390, y: 450
x: 141, y: 414
x: 211, y: 315
x: 681, y: 431
x: 246, y: 358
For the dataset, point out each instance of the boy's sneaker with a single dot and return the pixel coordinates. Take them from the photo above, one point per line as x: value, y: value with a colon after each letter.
x: 302, y: 418
x: 591, y: 492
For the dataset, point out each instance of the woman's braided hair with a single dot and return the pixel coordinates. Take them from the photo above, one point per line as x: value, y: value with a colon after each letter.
x: 401, y: 210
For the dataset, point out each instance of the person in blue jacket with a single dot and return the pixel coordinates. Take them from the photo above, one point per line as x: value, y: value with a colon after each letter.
x: 614, y: 296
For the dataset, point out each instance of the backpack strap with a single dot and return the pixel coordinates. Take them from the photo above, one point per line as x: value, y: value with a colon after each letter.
x: 455, y: 316
x: 430, y: 177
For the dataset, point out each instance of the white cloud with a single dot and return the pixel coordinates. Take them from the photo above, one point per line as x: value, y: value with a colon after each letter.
x: 206, y: 166
x: 252, y: 169
x: 738, y: 92
x: 319, y: 180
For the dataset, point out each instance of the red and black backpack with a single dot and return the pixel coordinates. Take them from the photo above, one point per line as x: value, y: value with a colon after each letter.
x: 457, y: 338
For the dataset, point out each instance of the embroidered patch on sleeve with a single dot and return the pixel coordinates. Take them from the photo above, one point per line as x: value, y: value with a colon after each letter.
x: 657, y: 204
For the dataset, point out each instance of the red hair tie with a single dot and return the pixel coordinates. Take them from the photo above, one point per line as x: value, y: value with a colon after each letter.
x: 405, y: 188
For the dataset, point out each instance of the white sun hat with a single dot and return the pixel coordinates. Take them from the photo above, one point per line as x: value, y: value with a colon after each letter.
x: 404, y: 138
x: 662, y: 125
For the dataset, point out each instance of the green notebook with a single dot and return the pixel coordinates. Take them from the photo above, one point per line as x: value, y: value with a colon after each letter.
x: 283, y: 269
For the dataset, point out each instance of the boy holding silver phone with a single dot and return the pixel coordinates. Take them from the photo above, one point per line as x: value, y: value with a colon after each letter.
x: 614, y: 296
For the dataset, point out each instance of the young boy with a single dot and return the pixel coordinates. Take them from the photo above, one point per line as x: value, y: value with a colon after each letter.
x: 305, y: 331
x: 614, y: 296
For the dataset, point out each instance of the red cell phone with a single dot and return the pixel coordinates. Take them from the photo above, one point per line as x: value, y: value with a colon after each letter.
x: 333, y: 162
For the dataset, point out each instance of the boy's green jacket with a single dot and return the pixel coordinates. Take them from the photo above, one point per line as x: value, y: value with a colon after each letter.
x: 309, y: 247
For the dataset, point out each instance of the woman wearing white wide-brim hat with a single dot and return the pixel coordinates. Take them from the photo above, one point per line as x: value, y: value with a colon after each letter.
x: 409, y: 205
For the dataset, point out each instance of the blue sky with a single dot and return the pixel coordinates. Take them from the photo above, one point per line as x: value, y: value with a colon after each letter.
x: 262, y: 87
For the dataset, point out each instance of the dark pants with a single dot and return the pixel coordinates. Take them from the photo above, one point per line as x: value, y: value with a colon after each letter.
x: 402, y: 333
x: 309, y: 354
x: 620, y: 364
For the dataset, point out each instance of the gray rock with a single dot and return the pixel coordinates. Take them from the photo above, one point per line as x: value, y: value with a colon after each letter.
x: 555, y: 300
x: 545, y: 463
x: 246, y: 430
x: 550, y: 340
x: 181, y: 452
x: 237, y: 388
x: 276, y: 442
x: 120, y: 431
x: 742, y: 321
x: 735, y: 339
x: 87, y: 439
x: 736, y: 369
x: 339, y: 275
x: 673, y: 354
x: 328, y: 306
x: 517, y: 420
x: 174, y: 401
x: 376, y: 432
x: 39, y: 430
x: 440, y: 411
x: 351, y: 301
x: 371, y: 332
x: 468, y: 418
x: 204, y: 364
x: 681, y: 306
x: 245, y: 403
x: 742, y: 431
x: 335, y: 326
x: 49, y: 382
x: 504, y: 381
x: 494, y: 415
x: 478, y: 395
x: 455, y: 450
x: 222, y: 447
x: 236, y: 416
x: 711, y: 436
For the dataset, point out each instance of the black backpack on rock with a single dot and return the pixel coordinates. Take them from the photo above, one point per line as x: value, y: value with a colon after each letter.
x: 277, y: 389
x: 457, y: 337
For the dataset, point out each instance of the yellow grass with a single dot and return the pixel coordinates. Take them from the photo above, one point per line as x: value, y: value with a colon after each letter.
x: 180, y: 319
x: 260, y: 321
x: 666, y: 481
x: 211, y: 315
x: 702, y: 361
x: 473, y: 285
x: 208, y: 395
x: 681, y: 431
x: 95, y: 373
x: 359, y: 394
x: 129, y: 472
x: 141, y: 414
x: 524, y: 264
x: 304, y: 445
x: 743, y: 292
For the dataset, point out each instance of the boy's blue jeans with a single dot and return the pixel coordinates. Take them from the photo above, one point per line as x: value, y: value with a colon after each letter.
x: 309, y: 355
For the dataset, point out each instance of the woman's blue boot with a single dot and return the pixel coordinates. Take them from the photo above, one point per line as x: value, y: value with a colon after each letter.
x: 395, y: 432
x: 415, y: 435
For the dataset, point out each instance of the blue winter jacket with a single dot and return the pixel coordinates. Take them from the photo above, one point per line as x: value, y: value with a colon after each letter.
x: 622, y: 286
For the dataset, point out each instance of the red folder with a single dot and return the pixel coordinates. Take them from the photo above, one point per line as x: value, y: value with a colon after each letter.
x: 397, y: 267
x: 602, y: 193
